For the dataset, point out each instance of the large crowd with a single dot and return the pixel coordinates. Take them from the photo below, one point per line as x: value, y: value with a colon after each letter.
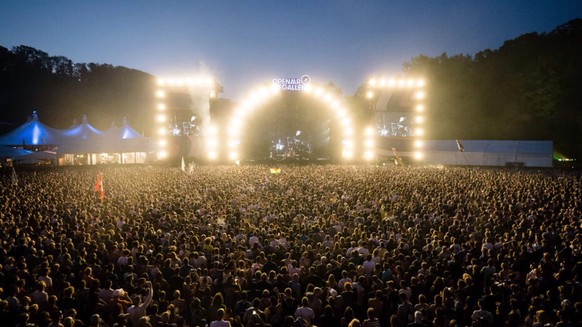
x: 326, y: 245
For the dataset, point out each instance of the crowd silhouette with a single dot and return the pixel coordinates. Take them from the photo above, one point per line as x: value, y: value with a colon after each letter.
x: 326, y: 245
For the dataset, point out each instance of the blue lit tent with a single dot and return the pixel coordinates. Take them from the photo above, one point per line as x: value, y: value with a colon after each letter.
x: 82, y: 138
x: 79, y: 144
x: 32, y: 134
x: 126, y: 141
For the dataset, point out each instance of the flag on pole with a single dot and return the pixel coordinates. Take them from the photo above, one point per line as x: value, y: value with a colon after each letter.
x: 99, y: 186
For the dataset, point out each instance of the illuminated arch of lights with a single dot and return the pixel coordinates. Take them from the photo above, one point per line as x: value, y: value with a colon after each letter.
x: 417, y: 85
x: 260, y: 96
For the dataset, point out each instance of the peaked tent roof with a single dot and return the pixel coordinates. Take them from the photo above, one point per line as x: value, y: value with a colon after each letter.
x: 83, y: 131
x: 126, y: 139
x: 33, y: 132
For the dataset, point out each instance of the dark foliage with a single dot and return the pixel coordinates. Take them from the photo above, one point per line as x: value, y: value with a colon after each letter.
x: 61, y: 91
x: 527, y: 89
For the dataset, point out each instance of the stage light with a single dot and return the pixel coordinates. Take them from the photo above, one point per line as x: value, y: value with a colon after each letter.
x: 212, y: 143
x: 233, y: 143
x: 369, y: 155
x: 410, y: 83
x: 369, y: 94
x: 391, y: 82
x: 369, y: 131
x: 419, y: 119
x: 160, y: 94
x: 212, y: 155
x: 369, y: 143
x: 162, y: 154
x: 346, y: 121
x: 418, y: 144
x: 233, y: 155
x: 419, y: 108
x: 348, y: 143
x: 418, y: 155
x: 162, y: 131
x: 163, y: 143
x: 161, y: 107
x: 212, y: 94
x: 373, y: 82
x: 420, y: 83
x: 349, y: 131
x: 382, y: 82
x: 401, y: 83
x: 419, y: 132
x: 347, y: 154
x: 161, y: 82
x: 419, y: 95
x: 161, y: 118
x: 212, y: 130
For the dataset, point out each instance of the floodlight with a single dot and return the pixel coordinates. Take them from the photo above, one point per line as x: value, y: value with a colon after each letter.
x: 212, y: 142
x: 161, y: 107
x: 161, y: 94
x: 347, y: 154
x: 419, y: 119
x: 212, y: 130
x: 369, y: 94
x: 161, y: 118
x: 212, y: 155
x: 162, y: 131
x: 419, y: 108
x: 163, y: 143
x: 419, y: 132
x: 372, y: 82
x: 418, y: 155
x: 233, y: 155
x: 369, y: 131
x: 418, y: 144
x: 369, y: 155
x: 419, y: 95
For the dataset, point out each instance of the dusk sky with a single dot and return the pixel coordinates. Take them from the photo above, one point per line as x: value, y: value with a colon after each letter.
x: 245, y: 43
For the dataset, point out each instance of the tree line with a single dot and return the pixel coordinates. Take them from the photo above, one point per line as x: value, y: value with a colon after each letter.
x: 528, y: 89
x: 62, y: 91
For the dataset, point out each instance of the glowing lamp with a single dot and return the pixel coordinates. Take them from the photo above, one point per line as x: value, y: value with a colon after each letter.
x: 369, y: 155
x: 161, y: 118
x: 418, y: 155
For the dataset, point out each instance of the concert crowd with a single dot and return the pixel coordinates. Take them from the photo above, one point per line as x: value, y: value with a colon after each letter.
x: 315, y: 245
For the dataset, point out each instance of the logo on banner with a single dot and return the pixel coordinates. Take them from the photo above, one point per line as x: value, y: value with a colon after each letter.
x: 292, y: 84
